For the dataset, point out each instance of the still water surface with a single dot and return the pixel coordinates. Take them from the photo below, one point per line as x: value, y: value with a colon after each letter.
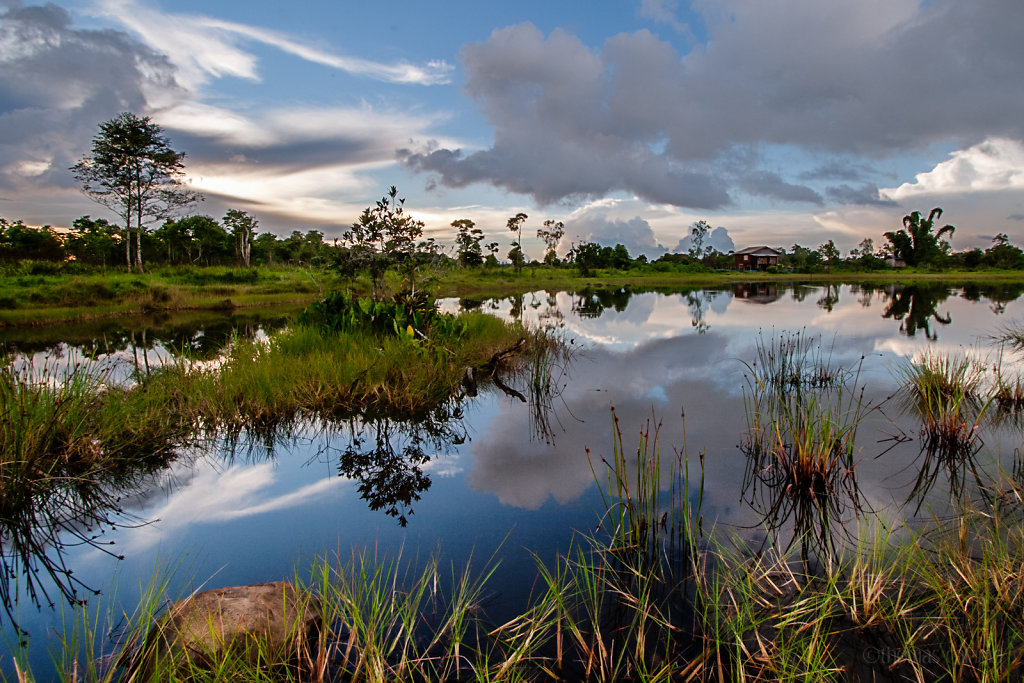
x: 494, y: 475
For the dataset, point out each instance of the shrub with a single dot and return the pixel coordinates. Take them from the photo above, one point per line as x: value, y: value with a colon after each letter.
x: 404, y: 315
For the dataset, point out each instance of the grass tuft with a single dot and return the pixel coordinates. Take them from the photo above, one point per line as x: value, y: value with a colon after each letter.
x: 947, y: 392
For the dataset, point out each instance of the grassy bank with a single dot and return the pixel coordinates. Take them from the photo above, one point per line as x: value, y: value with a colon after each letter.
x: 305, y: 372
x: 54, y: 294
x: 73, y: 442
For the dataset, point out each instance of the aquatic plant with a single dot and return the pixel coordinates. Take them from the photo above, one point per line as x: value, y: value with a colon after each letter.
x: 947, y: 392
x: 646, y: 598
x: 793, y: 360
x: 405, y: 314
x: 802, y: 420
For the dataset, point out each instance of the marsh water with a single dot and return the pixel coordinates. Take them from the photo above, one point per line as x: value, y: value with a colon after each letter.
x: 501, y: 478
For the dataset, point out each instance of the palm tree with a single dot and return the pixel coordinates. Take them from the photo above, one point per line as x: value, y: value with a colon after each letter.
x: 916, y: 243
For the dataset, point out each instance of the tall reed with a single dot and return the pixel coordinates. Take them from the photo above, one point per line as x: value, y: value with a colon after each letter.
x: 803, y: 415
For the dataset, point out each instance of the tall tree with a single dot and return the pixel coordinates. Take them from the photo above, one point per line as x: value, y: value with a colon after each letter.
x: 384, y: 236
x: 93, y: 241
x: 551, y: 234
x: 467, y: 242
x: 829, y: 253
x: 586, y: 256
x: 916, y: 243
x: 243, y: 228
x: 515, y: 224
x: 133, y: 171
x: 699, y: 232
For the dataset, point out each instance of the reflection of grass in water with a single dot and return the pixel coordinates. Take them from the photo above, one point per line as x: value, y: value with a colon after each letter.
x: 945, y: 603
x: 69, y: 448
x: 793, y: 360
x: 1011, y: 335
x: 802, y: 419
x: 639, y: 517
x: 307, y: 372
x: 946, y: 391
x: 69, y: 440
x: 1007, y: 394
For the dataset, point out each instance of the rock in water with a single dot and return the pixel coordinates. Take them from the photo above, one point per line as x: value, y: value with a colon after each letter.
x: 275, y: 622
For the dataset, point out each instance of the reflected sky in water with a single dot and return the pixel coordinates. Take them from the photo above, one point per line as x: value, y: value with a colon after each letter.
x: 225, y: 516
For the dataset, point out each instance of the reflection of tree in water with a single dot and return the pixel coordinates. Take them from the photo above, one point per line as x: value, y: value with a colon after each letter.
x: 42, y: 516
x: 999, y: 294
x: 591, y: 302
x: 915, y: 307
x: 800, y: 292
x: 829, y: 298
x: 145, y: 341
x: 516, y: 311
x: 386, y: 456
x: 865, y: 295
x: 698, y: 303
x: 552, y: 313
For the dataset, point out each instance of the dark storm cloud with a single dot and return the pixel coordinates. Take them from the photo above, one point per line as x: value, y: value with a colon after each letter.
x: 57, y: 83
x: 845, y: 170
x: 286, y: 155
x: 865, y: 195
x: 773, y: 186
x: 874, y: 78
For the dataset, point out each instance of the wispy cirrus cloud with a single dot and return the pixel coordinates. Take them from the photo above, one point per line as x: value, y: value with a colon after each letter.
x: 299, y: 164
x: 217, y: 47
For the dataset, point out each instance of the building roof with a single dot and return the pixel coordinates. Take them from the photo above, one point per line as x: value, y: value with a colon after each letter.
x: 762, y: 251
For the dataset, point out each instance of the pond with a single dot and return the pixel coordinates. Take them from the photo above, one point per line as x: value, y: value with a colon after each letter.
x: 499, y: 477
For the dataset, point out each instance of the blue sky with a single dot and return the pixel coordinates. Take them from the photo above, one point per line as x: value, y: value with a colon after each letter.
x: 785, y: 121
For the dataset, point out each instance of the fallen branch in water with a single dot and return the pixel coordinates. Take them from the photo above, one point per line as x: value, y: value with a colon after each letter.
x: 492, y: 364
x: 509, y: 391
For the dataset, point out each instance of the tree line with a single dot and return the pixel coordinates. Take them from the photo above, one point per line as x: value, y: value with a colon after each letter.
x: 194, y: 240
x: 132, y: 170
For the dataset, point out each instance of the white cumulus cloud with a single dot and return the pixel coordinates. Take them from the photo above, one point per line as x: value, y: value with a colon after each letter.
x: 997, y: 164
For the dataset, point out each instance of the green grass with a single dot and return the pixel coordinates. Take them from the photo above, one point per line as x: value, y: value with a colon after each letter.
x: 305, y: 373
x: 53, y: 297
x: 44, y: 293
x: 65, y: 438
x: 70, y: 438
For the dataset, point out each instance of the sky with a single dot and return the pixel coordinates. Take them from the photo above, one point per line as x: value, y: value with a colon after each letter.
x: 791, y: 121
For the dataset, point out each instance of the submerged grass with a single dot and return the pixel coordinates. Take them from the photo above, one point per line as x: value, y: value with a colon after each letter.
x: 70, y: 446
x: 647, y: 599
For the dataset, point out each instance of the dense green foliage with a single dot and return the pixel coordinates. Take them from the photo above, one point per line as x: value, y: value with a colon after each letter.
x: 405, y: 314
x: 916, y: 243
